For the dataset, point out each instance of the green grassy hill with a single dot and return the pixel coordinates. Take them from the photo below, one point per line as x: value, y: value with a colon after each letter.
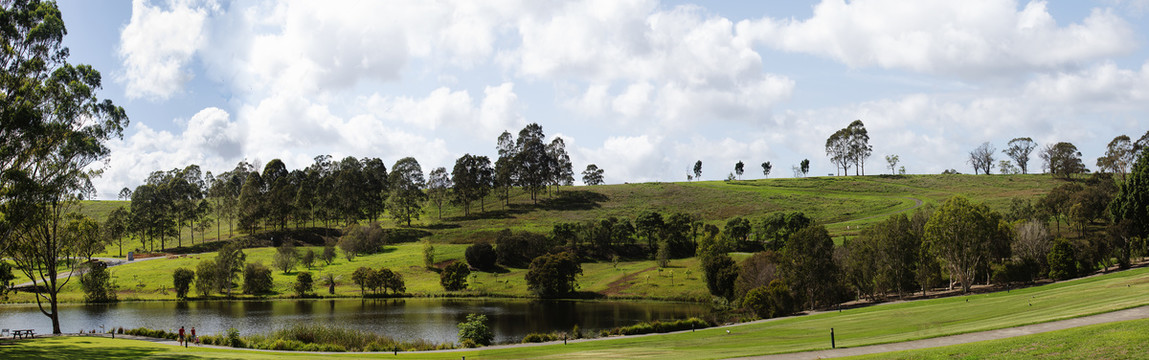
x: 844, y: 204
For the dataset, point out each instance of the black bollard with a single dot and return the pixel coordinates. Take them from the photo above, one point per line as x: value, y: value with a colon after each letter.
x: 832, y: 344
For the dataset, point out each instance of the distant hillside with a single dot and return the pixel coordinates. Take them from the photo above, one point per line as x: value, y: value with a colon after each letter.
x: 844, y: 204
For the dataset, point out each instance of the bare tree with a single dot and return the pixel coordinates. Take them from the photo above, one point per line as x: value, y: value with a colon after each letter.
x: 892, y: 162
x: 981, y: 158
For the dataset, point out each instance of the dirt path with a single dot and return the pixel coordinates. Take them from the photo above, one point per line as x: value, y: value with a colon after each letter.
x: 623, y: 283
x: 1121, y: 315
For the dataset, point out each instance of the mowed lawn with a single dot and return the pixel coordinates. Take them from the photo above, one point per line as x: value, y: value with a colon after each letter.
x: 1119, y: 340
x: 856, y: 327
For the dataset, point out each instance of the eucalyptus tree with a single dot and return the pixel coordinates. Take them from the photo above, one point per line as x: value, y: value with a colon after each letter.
x: 766, y: 167
x: 1118, y: 156
x: 859, y: 146
x: 1019, y: 149
x: 592, y: 175
x: 439, y: 188
x: 739, y: 168
x: 981, y: 158
x: 698, y: 170
x: 563, y: 171
x: 407, y: 183
x: 535, y: 167
x: 53, y: 130
x: 473, y: 178
x: 374, y: 196
x: 278, y: 193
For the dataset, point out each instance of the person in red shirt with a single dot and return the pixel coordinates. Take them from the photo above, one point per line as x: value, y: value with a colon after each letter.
x: 181, y: 338
x: 193, y: 338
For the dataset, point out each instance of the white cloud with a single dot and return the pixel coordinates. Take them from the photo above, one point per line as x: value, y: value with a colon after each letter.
x: 945, y: 37
x: 678, y: 66
x: 1104, y: 83
x: 157, y: 45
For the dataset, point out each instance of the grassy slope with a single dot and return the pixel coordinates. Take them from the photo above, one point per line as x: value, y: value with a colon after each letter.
x: 855, y: 327
x: 1120, y: 340
x: 837, y: 201
x: 151, y: 280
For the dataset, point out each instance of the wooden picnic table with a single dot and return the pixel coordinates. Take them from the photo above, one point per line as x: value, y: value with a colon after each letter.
x: 22, y: 333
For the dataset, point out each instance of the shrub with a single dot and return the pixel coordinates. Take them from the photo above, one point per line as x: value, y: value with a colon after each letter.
x: 256, y: 279
x: 233, y: 338
x: 97, y: 283
x: 481, y: 256
x: 454, y: 276
x: 303, y: 283
x: 770, y: 301
x: 205, y: 280
x: 181, y: 281
x: 538, y: 338
x: 659, y: 327
x: 519, y: 249
x: 428, y: 254
x: 475, y: 330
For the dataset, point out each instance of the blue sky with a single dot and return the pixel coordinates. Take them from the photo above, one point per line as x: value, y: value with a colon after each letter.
x: 640, y: 88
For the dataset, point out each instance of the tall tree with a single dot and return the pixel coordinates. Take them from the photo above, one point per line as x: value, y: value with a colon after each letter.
x: 838, y: 149
x: 535, y: 167
x: 1118, y: 156
x: 53, y: 129
x: 766, y: 167
x: 563, y: 172
x: 808, y: 265
x: 251, y: 208
x: 981, y: 158
x: 473, y: 178
x: 439, y: 188
x: 859, y: 146
x: 1065, y: 160
x: 406, y: 190
x: 962, y: 234
x: 375, y: 186
x: 592, y: 175
x: 805, y: 166
x: 1019, y: 150
x: 698, y: 170
x: 739, y: 168
x: 1130, y: 207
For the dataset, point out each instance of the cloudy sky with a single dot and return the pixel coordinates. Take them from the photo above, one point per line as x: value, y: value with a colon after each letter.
x: 640, y: 88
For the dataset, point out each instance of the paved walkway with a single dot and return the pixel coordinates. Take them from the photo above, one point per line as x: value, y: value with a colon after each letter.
x: 1121, y: 315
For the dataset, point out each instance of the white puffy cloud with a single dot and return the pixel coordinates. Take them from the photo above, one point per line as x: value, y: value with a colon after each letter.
x: 1104, y: 83
x: 974, y: 37
x: 157, y: 45
x: 677, y: 66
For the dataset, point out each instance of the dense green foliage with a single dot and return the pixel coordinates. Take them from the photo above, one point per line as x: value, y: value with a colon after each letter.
x: 454, y: 276
x: 97, y: 284
x: 475, y: 330
x: 481, y: 256
x: 658, y: 327
x: 554, y: 275
x: 256, y: 279
x: 181, y: 281
x: 304, y: 284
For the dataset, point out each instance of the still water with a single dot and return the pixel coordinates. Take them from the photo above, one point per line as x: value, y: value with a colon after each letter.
x: 404, y: 319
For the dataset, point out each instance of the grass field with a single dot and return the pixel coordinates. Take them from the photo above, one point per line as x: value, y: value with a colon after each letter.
x: 152, y: 279
x: 855, y: 327
x: 1120, y: 340
x: 845, y: 204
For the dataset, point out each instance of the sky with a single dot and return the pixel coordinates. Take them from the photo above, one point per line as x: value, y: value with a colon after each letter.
x: 642, y: 89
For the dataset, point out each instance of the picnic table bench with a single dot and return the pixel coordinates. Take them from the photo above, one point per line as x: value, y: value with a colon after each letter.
x: 22, y: 333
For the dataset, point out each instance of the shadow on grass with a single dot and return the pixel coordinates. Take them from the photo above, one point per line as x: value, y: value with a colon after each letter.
x: 574, y: 200
x: 502, y: 214
x: 65, y: 351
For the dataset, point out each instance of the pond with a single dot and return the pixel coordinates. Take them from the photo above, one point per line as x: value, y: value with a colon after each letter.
x: 404, y: 319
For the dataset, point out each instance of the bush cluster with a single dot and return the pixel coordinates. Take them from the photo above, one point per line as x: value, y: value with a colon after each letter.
x: 308, y: 337
x: 658, y: 327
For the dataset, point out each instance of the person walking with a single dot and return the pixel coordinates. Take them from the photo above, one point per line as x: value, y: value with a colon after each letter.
x: 193, y: 338
x: 181, y: 338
